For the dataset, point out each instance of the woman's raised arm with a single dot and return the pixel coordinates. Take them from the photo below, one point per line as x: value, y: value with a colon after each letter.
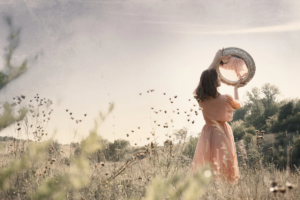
x: 238, y: 85
x: 217, y: 59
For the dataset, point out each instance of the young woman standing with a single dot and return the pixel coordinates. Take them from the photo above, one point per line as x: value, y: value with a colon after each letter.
x: 216, y: 143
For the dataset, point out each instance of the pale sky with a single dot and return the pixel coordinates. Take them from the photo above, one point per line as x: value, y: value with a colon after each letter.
x: 96, y: 52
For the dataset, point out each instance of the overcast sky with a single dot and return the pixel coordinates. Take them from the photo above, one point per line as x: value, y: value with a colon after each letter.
x: 96, y: 52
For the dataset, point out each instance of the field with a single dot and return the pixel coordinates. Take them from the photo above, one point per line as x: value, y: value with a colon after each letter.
x: 47, y: 170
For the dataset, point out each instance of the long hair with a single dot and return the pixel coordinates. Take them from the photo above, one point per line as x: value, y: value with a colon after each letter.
x: 208, y: 85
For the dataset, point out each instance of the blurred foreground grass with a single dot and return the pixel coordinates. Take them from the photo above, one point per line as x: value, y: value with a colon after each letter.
x: 41, y: 169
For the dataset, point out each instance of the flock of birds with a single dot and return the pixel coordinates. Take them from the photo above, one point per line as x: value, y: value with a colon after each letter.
x: 187, y: 113
x: 72, y: 118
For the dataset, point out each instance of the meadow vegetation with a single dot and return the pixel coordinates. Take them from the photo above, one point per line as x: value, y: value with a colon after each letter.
x: 267, y: 143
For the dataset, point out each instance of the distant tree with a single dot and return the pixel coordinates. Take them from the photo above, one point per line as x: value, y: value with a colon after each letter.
x: 260, y: 105
x: 285, y: 111
x: 116, y: 150
x: 270, y: 94
x: 240, y: 114
x: 191, y: 145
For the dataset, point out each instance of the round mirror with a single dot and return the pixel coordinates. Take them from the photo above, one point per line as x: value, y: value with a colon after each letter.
x: 236, y: 65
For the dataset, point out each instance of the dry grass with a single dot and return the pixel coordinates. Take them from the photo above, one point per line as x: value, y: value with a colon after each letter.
x: 47, y: 170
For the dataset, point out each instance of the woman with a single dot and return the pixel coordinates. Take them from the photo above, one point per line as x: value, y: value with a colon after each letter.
x: 216, y: 143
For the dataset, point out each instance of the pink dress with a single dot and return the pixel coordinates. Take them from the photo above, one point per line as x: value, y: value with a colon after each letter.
x: 237, y: 65
x: 216, y: 143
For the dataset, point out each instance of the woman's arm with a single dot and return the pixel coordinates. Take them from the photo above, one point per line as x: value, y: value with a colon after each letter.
x: 236, y: 94
x: 217, y: 59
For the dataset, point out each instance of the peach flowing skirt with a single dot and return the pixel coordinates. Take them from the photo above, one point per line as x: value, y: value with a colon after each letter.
x: 216, y: 147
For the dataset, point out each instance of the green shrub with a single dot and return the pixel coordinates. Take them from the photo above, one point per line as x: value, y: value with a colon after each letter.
x: 190, y: 149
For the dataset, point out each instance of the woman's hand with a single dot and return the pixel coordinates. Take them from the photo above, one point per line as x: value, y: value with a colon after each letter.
x: 217, y: 59
x: 239, y: 84
x: 218, y: 55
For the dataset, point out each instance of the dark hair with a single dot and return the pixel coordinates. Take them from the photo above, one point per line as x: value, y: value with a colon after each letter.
x: 208, y: 85
x: 222, y: 63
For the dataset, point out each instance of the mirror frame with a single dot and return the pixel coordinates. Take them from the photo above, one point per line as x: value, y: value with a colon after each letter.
x: 240, y: 53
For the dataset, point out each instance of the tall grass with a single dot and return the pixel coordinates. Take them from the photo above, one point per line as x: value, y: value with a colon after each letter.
x: 38, y: 169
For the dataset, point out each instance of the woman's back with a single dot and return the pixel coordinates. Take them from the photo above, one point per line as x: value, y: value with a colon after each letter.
x: 219, y: 109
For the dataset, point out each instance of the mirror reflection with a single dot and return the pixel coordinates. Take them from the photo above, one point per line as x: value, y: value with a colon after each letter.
x: 233, y: 68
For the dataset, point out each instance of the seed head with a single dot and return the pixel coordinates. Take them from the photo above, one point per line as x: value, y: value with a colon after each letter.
x: 290, y: 185
x: 274, y: 189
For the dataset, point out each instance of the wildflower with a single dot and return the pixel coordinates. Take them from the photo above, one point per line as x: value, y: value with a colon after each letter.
x: 274, y: 189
